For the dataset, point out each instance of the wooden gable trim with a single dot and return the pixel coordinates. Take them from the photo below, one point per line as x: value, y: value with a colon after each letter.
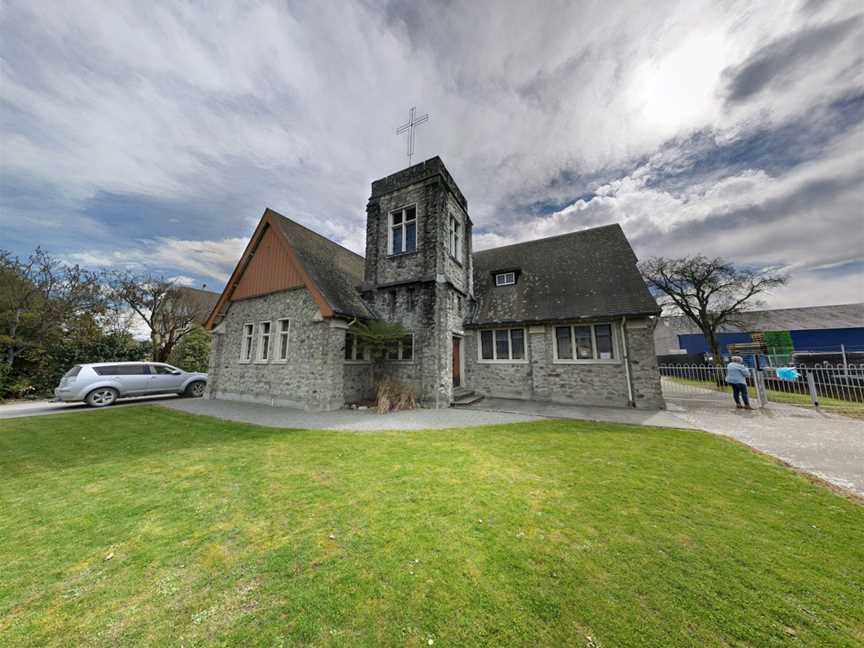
x: 266, y: 223
x: 317, y: 295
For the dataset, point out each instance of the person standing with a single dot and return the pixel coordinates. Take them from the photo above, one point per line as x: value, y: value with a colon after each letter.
x: 737, y: 374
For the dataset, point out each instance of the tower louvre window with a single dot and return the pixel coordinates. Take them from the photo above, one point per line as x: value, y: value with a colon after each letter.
x: 454, y: 238
x: 403, y: 230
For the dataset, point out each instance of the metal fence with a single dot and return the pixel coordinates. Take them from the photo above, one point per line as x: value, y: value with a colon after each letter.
x: 830, y: 386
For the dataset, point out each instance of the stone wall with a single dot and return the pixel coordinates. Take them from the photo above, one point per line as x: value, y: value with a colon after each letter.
x: 541, y: 378
x: 645, y: 373
x: 433, y: 276
x: 313, y: 375
x: 358, y: 381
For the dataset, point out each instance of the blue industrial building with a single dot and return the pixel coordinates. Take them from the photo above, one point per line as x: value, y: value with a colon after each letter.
x: 817, y: 329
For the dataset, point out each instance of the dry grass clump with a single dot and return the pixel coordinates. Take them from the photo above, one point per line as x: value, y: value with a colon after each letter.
x: 394, y: 396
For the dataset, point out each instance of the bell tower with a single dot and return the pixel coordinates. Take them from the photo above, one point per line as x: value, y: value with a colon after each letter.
x: 418, y: 272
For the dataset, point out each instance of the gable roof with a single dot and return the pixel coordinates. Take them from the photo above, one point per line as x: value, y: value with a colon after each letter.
x: 335, y: 270
x: 810, y: 318
x: 201, y: 301
x: 329, y: 271
x: 581, y: 275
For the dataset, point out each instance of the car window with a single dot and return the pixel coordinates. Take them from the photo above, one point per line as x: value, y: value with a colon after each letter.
x: 163, y: 370
x: 120, y: 370
x: 74, y: 371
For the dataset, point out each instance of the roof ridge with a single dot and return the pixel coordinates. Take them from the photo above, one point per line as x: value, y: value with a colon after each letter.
x: 203, y: 290
x: 550, y: 238
x: 318, y: 234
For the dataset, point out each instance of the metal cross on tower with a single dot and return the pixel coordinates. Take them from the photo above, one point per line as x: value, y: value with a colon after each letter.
x: 409, y: 127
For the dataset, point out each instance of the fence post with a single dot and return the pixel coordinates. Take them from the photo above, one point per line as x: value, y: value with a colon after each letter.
x: 811, y: 384
x: 845, y: 364
x: 759, y: 382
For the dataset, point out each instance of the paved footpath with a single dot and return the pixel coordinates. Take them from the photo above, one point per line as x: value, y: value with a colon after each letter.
x: 827, y: 445
x: 17, y: 409
x: 354, y: 420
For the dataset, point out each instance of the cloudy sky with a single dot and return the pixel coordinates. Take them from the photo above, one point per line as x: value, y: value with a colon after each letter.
x: 153, y: 135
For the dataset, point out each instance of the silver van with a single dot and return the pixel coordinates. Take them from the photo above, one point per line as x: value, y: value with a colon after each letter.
x: 102, y: 383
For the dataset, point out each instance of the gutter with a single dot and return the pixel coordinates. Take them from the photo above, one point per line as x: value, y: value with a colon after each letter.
x: 626, y: 359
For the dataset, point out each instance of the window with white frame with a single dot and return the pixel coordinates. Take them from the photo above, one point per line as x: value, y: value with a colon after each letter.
x: 586, y: 342
x: 246, y: 343
x: 284, y: 334
x: 404, y: 350
x: 355, y: 349
x: 454, y: 238
x: 502, y: 345
x: 264, y: 341
x: 403, y: 230
x: 505, y: 278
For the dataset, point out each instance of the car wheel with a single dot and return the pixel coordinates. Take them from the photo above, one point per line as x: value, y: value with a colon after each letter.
x: 102, y: 397
x: 195, y: 389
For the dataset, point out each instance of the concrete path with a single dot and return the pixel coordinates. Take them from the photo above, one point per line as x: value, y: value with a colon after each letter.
x: 657, y: 418
x: 40, y: 407
x: 827, y: 445
x: 355, y: 420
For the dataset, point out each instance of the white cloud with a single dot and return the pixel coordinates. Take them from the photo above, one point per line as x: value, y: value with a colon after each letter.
x: 209, y: 259
x: 295, y: 107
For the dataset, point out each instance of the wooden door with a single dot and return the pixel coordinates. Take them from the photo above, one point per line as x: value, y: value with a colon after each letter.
x: 457, y: 361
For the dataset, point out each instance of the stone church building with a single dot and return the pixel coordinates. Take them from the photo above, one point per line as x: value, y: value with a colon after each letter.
x: 566, y: 318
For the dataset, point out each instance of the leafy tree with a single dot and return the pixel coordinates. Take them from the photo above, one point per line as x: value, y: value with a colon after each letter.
x: 38, y: 296
x: 82, y: 340
x: 710, y: 292
x: 165, y: 309
x: 379, y: 336
x: 192, y: 353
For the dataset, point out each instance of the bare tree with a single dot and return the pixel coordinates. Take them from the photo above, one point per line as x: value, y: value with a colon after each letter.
x: 163, y: 306
x: 38, y: 294
x: 710, y: 292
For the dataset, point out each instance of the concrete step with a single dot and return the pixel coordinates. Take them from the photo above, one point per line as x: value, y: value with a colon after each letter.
x: 459, y: 392
x: 468, y: 398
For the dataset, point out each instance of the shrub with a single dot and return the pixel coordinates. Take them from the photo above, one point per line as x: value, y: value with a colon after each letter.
x: 394, y: 396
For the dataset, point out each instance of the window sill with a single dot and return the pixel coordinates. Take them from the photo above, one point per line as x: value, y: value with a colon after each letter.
x: 241, y: 361
x: 587, y: 362
x: 262, y: 362
x: 502, y: 361
x: 399, y: 362
x: 402, y: 254
x: 357, y: 362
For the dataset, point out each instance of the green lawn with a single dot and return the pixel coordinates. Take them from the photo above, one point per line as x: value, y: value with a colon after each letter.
x: 143, y: 526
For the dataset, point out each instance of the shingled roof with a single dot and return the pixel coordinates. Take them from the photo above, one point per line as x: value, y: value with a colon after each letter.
x: 201, y: 301
x: 329, y: 271
x: 582, y: 275
x: 336, y: 271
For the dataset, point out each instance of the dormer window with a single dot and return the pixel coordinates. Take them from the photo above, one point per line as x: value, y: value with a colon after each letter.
x: 403, y: 230
x: 505, y: 278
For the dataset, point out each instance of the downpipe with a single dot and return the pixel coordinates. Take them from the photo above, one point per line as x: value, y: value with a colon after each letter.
x: 625, y: 352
